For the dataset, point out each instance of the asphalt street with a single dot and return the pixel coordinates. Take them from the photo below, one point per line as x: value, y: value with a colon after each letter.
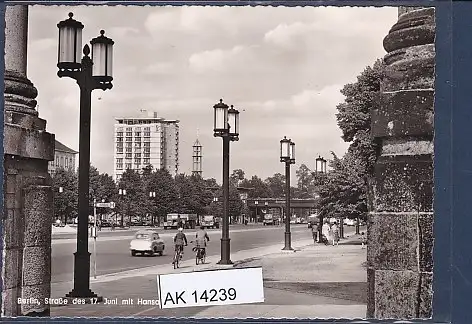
x: 113, y: 254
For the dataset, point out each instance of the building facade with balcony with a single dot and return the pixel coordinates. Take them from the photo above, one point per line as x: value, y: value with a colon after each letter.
x: 143, y: 141
x: 64, y: 158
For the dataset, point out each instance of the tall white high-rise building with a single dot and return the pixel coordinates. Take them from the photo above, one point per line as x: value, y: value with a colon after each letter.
x: 146, y: 140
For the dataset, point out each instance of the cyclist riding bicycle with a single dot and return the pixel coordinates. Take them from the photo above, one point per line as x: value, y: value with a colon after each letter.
x: 201, y: 239
x: 179, y: 240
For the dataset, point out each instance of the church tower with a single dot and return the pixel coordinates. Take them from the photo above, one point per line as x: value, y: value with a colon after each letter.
x: 197, y: 158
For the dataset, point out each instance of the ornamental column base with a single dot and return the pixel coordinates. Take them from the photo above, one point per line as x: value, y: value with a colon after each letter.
x: 28, y: 201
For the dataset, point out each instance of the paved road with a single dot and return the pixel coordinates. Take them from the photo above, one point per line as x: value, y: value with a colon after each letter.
x: 113, y: 253
x: 106, y: 231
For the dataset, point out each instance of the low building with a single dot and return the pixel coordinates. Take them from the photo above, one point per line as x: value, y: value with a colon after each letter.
x: 64, y: 158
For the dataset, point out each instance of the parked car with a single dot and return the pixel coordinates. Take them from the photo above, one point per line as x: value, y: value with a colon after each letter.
x: 147, y: 241
x: 269, y: 219
x: 105, y: 223
x: 349, y: 222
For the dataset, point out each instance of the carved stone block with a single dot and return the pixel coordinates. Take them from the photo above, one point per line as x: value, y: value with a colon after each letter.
x: 396, y: 294
x: 37, y: 266
x: 38, y: 211
x: 38, y: 292
x: 398, y: 234
x: 404, y: 184
x: 404, y: 113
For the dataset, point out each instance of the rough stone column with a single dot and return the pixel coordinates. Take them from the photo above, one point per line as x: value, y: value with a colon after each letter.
x: 403, y: 10
x: 28, y: 200
x: 400, y: 229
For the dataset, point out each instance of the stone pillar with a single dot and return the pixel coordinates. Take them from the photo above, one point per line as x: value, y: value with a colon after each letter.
x: 403, y: 10
x: 28, y: 200
x: 400, y: 229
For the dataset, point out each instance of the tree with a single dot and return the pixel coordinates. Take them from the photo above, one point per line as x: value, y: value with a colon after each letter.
x: 236, y: 206
x: 162, y: 183
x: 344, y: 190
x: 102, y: 187
x: 131, y: 204
x: 354, y: 114
x: 189, y: 200
x: 276, y: 185
x: 147, y: 170
x: 93, y: 186
x: 236, y: 177
x: 211, y: 183
x: 261, y: 189
x: 202, y: 195
x: 65, y: 202
x: 305, y: 183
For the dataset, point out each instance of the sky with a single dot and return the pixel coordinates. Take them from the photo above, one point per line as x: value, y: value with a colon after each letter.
x: 281, y: 67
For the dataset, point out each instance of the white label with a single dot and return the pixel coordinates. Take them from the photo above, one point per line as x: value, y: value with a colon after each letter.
x: 105, y: 205
x: 210, y: 288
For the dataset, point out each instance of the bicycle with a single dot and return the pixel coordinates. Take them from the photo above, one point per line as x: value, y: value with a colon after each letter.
x: 199, y: 254
x: 177, y: 257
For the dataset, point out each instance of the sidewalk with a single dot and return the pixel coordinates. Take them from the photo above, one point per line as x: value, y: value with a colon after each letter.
x: 313, y: 282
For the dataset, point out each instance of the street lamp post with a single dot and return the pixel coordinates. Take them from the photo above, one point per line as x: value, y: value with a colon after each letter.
x: 90, y: 73
x: 226, y: 126
x: 320, y: 168
x: 60, y: 190
x: 287, y: 156
x: 256, y: 203
x: 152, y: 194
x: 122, y: 192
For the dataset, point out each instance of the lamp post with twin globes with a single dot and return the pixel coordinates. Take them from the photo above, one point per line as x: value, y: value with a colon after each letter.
x: 320, y: 171
x: 91, y: 73
x: 226, y: 126
x: 287, y: 156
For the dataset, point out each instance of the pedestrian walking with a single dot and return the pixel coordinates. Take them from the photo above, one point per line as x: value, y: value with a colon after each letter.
x: 314, y: 234
x: 325, y: 232
x: 335, y: 233
x: 363, y: 240
x: 112, y: 226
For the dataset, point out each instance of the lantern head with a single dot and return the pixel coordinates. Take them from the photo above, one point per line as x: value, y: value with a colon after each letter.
x: 292, y: 152
x: 102, y: 57
x: 220, y: 121
x: 233, y: 121
x: 70, y: 44
x: 284, y: 149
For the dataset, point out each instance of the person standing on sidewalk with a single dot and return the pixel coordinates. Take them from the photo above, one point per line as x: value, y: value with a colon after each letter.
x: 335, y: 233
x: 325, y: 232
x: 363, y: 240
x: 314, y: 233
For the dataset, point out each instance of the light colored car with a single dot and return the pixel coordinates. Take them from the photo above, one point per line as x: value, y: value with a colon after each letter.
x: 349, y: 222
x: 146, y: 241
